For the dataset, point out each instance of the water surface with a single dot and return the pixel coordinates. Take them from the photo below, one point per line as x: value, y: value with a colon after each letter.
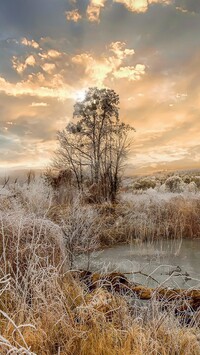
x: 175, y: 263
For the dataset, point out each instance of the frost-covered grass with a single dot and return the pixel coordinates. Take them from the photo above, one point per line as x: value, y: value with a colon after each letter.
x: 153, y: 214
x: 46, y: 311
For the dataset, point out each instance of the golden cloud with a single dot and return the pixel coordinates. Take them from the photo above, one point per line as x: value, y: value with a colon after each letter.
x: 73, y: 15
x: 30, y: 43
x: 96, y: 70
x: 60, y: 92
x: 118, y: 49
x: 39, y: 104
x: 30, y: 61
x: 99, y: 69
x: 52, y: 53
x: 131, y: 73
x: 21, y: 66
x: 142, y: 5
x: 48, y: 67
x: 37, y: 59
x: 134, y: 5
x: 94, y: 8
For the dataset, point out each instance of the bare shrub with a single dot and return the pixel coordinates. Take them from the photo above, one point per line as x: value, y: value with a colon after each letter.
x: 81, y: 227
x: 62, y: 184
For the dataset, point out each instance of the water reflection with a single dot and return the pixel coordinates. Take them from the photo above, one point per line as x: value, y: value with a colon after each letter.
x: 173, y: 263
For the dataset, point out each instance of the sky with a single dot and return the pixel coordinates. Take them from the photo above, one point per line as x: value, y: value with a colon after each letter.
x: 148, y: 51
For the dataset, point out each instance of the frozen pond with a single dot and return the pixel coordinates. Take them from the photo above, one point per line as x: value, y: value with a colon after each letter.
x: 175, y: 263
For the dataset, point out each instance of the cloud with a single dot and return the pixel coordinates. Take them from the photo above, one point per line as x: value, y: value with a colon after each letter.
x: 30, y: 61
x: 134, y: 5
x: 38, y: 104
x: 23, y: 88
x: 118, y: 49
x: 87, y: 68
x: 37, y: 60
x: 73, y: 15
x: 181, y: 9
x: 185, y: 11
x: 97, y: 70
x: 162, y: 2
x: 21, y: 66
x: 191, y: 7
x: 94, y: 8
x: 50, y: 54
x: 28, y: 139
x: 142, y: 55
x: 131, y: 73
x: 48, y: 67
x: 30, y: 43
x: 141, y: 6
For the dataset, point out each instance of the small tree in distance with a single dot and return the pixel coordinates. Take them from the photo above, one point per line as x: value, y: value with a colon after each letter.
x: 96, y: 144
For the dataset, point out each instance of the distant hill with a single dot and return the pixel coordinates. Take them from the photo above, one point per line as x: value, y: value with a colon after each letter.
x: 19, y: 174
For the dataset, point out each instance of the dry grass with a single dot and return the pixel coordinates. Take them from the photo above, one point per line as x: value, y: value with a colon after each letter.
x: 78, y: 323
x: 152, y: 216
x: 46, y: 311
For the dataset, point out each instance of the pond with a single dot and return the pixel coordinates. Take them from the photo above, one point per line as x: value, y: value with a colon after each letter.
x: 173, y: 263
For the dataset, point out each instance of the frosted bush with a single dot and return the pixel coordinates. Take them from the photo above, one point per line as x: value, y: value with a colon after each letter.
x: 81, y: 226
x: 191, y: 187
x: 4, y: 191
x: 144, y: 184
x: 151, y: 191
x: 196, y: 179
x: 186, y: 179
x: 174, y: 184
x: 163, y: 188
x: 35, y: 197
x: 22, y: 231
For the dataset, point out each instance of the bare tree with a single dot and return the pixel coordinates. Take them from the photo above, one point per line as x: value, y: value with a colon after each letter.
x: 95, y: 145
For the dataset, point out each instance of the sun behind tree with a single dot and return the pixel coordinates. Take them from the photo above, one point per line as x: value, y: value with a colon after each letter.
x: 95, y: 145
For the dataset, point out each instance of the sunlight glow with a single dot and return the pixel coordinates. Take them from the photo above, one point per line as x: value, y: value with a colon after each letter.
x: 80, y: 95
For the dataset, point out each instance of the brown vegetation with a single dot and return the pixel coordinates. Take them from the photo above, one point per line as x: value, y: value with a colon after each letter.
x: 47, y: 309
